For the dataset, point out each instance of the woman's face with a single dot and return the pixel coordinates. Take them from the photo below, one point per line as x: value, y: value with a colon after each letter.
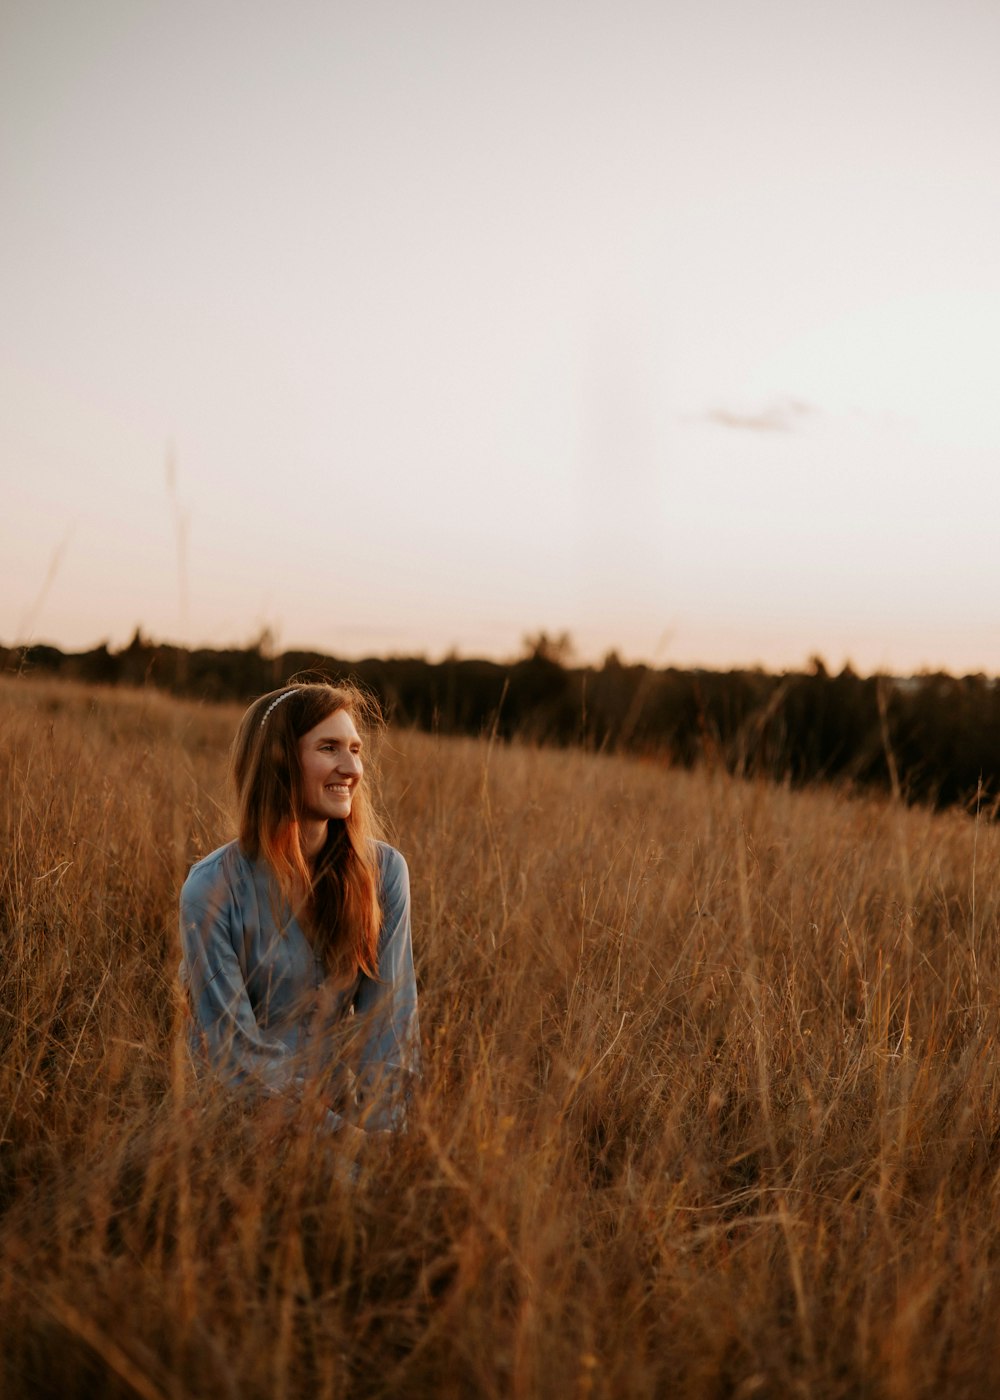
x: 330, y: 762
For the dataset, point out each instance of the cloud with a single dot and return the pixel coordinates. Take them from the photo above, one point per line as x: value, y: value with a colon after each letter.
x: 782, y: 416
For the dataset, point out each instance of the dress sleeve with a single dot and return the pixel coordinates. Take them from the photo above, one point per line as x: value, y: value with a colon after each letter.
x: 225, y: 1028
x: 389, y: 1057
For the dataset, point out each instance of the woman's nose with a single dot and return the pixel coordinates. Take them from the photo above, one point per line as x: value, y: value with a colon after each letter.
x: 349, y: 763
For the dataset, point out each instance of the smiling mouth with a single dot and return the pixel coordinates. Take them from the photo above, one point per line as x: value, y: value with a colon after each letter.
x: 341, y: 789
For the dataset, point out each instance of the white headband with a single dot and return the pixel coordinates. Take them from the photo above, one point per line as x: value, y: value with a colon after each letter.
x: 283, y: 696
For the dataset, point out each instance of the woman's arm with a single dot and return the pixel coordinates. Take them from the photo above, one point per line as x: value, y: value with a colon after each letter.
x: 223, y: 1016
x: 390, y: 1038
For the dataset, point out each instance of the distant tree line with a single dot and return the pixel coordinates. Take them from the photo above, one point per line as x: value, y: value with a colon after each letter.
x: 935, y: 738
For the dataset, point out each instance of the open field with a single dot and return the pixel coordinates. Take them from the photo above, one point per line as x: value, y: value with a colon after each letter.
x: 711, y: 1100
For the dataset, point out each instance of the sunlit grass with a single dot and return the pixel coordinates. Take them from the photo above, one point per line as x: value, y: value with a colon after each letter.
x: 710, y: 1102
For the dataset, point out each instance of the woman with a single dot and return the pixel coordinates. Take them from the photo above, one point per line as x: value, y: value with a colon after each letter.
x: 296, y: 937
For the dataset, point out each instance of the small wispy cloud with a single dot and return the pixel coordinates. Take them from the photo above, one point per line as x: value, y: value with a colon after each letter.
x: 782, y: 416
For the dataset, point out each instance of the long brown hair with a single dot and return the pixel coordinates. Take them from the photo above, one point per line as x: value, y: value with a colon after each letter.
x: 342, y: 910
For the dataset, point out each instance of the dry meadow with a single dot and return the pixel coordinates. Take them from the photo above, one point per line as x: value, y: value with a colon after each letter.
x: 710, y: 1106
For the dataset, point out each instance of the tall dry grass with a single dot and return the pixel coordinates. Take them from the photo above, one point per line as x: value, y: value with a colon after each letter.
x: 710, y: 1104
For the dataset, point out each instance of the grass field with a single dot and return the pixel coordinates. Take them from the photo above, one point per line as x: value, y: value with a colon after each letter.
x: 711, y: 1098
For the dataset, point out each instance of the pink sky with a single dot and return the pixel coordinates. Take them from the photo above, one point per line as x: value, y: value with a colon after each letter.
x: 672, y: 326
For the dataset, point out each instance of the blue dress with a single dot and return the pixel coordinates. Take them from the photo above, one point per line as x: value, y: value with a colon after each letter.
x: 267, y: 1017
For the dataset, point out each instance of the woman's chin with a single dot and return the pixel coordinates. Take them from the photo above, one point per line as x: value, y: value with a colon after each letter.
x: 330, y: 811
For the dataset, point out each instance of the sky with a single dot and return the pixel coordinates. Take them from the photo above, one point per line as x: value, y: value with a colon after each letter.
x: 394, y: 327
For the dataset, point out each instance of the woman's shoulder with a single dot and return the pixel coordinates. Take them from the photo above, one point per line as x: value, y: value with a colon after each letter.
x: 220, y: 867
x: 392, y: 865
